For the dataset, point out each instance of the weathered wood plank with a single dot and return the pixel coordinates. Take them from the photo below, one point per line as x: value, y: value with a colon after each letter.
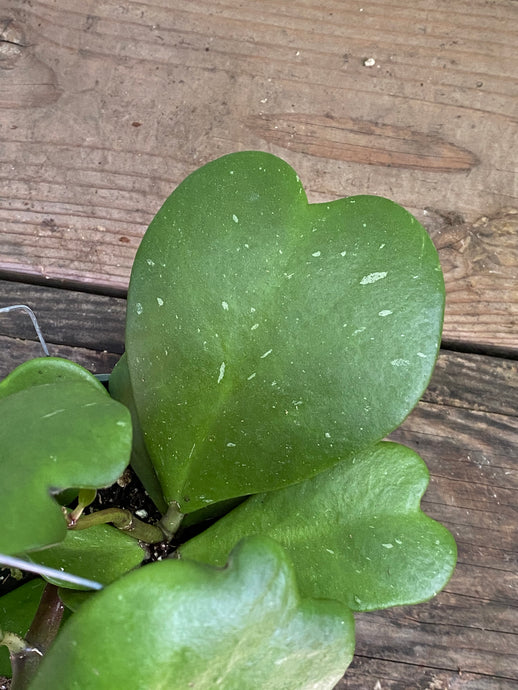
x: 15, y: 352
x: 366, y: 673
x: 480, y: 264
x: 475, y: 382
x: 99, y: 126
x: 66, y: 317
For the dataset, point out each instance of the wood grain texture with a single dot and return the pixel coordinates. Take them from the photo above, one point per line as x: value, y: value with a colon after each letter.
x: 360, y: 141
x: 480, y: 264
x: 66, y: 317
x: 474, y: 382
x: 106, y: 107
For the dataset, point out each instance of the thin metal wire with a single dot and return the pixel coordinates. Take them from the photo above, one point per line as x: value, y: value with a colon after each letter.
x: 13, y: 562
x: 28, y: 310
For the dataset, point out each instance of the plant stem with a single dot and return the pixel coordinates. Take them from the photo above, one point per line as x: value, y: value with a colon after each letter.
x: 171, y: 521
x: 125, y: 521
x: 86, y: 496
x: 40, y: 636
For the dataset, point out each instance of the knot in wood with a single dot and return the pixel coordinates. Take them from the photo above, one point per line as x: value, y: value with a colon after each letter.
x: 12, y: 42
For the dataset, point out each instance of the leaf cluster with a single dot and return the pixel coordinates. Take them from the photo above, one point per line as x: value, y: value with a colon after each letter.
x: 271, y: 345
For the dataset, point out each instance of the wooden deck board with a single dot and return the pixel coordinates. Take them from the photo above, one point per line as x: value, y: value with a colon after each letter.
x: 104, y: 113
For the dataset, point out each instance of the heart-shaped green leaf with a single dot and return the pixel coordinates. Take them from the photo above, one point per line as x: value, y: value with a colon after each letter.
x: 100, y: 553
x: 355, y: 533
x: 54, y: 435
x: 179, y: 624
x: 268, y: 337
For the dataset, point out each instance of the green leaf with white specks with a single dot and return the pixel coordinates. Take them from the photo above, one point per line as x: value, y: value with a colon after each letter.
x: 267, y: 338
x: 243, y: 626
x: 59, y: 429
x: 354, y: 533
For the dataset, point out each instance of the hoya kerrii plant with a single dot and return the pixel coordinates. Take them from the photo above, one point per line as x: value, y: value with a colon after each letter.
x: 271, y: 345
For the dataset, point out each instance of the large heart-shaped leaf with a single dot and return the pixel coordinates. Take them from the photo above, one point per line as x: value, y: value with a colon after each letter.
x: 179, y: 624
x: 100, y: 553
x: 54, y: 435
x: 355, y: 533
x: 268, y: 337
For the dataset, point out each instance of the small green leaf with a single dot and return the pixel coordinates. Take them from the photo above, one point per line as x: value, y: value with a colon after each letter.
x: 180, y: 624
x: 268, y: 337
x: 17, y: 609
x: 355, y: 533
x: 42, y: 370
x: 100, y: 553
x: 54, y: 435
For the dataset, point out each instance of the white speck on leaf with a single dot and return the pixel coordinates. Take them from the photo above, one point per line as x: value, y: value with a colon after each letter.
x: 160, y: 301
x: 316, y: 254
x: 221, y: 372
x: 384, y: 312
x: 421, y: 354
x: 150, y: 262
x: 388, y: 546
x: 268, y: 352
x: 225, y: 305
x: 251, y: 376
x: 235, y: 218
x: 256, y: 325
x: 138, y: 308
x: 400, y: 362
x: 231, y: 445
x: 359, y: 330
x: 51, y: 414
x: 373, y: 277
x: 343, y: 253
